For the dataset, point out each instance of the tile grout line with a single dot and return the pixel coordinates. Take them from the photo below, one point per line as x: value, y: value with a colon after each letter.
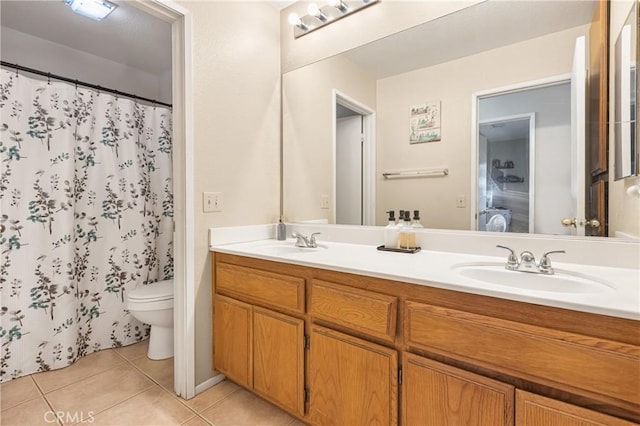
x: 71, y: 365
x: 46, y: 400
x: 170, y: 392
x: 220, y: 401
x: 83, y: 419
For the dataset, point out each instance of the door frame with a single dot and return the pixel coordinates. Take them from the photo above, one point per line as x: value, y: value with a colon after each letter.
x: 532, y: 160
x: 183, y: 184
x: 368, y: 157
x: 475, y: 128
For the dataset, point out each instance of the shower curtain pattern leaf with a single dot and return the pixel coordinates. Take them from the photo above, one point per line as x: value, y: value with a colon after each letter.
x: 86, y: 200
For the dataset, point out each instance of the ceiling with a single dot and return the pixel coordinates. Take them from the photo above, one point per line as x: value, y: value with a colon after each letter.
x: 487, y: 25
x: 507, y: 130
x: 127, y: 36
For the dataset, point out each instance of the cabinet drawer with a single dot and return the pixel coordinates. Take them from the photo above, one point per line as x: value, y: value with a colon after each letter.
x: 534, y: 410
x: 261, y: 287
x: 360, y: 310
x: 563, y: 360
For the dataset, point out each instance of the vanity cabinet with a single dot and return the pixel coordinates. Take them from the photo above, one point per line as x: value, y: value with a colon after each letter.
x: 334, y: 348
x: 258, y: 347
x: 351, y: 381
x: 438, y: 394
x: 232, y: 340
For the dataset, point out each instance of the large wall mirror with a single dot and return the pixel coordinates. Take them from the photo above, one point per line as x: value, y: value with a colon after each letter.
x: 462, y: 118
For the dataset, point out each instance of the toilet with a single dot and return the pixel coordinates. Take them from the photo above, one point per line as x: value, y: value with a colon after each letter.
x: 153, y: 304
x: 505, y: 213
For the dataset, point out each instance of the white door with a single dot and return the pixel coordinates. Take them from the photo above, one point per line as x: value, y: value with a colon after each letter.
x: 349, y: 170
x: 578, y: 133
x: 483, y: 203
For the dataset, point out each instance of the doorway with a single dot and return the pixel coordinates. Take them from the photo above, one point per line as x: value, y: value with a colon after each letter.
x: 506, y: 166
x: 354, y: 162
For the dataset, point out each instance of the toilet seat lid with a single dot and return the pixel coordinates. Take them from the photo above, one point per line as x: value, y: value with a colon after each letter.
x: 162, y: 290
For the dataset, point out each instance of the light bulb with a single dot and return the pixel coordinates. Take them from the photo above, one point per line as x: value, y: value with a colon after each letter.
x: 314, y: 10
x: 294, y: 19
x: 338, y: 4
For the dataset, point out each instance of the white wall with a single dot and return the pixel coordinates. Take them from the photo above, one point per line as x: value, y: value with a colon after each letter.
x: 552, y: 185
x: 453, y: 83
x: 308, y: 131
x: 33, y: 52
x: 624, y: 210
x: 236, y: 74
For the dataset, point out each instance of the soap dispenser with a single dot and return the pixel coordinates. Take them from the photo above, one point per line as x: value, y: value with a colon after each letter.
x: 281, y: 230
x: 416, y: 220
x: 407, y: 237
x: 391, y: 231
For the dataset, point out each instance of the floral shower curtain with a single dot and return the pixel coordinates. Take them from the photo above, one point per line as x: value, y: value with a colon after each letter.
x: 87, y: 205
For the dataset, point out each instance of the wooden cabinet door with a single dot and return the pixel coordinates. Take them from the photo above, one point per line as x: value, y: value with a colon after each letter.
x: 438, y: 394
x: 232, y: 340
x: 351, y: 381
x: 536, y: 410
x: 278, y: 358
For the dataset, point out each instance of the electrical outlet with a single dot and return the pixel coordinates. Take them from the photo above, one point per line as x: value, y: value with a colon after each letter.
x: 461, y: 201
x: 212, y: 202
x: 324, y: 202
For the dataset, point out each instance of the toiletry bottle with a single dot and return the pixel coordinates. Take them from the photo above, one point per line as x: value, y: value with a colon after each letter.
x: 281, y: 231
x: 407, y: 235
x: 399, y: 227
x: 416, y: 220
x: 391, y: 231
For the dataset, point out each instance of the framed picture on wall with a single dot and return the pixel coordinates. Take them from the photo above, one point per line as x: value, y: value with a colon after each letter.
x: 424, y: 122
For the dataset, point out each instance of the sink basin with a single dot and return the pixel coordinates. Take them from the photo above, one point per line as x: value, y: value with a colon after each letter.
x: 288, y: 248
x: 560, y: 282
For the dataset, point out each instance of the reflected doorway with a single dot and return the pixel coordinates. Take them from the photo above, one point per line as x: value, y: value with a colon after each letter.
x: 535, y: 188
x: 354, y: 163
x: 505, y: 170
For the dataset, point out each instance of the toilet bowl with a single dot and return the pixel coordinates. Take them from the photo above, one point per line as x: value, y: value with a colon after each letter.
x: 492, y: 215
x: 153, y: 304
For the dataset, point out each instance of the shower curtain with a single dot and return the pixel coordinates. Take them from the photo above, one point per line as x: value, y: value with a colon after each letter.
x: 87, y: 207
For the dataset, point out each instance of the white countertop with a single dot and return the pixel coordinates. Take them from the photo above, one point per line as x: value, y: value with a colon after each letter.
x: 618, y: 296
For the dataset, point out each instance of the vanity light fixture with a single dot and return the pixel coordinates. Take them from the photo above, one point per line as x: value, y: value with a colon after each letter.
x: 319, y: 16
x: 94, y: 9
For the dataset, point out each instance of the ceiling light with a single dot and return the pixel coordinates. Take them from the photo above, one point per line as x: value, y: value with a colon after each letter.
x: 94, y: 9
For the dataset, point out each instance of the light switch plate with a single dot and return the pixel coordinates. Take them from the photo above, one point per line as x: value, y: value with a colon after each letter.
x: 212, y: 202
x: 324, y: 202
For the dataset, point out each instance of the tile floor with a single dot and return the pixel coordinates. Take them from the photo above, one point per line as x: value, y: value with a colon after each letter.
x: 123, y: 387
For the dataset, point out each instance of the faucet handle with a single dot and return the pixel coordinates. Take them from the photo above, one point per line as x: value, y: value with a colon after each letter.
x: 312, y: 240
x: 512, y: 260
x: 545, y: 262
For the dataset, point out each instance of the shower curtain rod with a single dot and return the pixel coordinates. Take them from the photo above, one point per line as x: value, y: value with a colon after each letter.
x: 81, y: 83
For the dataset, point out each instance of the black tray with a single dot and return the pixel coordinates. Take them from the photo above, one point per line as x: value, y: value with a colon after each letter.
x: 399, y: 250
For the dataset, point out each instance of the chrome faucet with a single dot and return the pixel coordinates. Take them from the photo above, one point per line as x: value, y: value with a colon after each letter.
x: 527, y: 262
x: 303, y: 241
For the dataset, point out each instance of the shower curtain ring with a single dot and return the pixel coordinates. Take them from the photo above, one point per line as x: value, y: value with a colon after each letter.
x: 48, y: 78
x: 17, y: 67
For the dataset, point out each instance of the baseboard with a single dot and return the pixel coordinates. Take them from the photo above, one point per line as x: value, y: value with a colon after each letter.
x: 209, y: 383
